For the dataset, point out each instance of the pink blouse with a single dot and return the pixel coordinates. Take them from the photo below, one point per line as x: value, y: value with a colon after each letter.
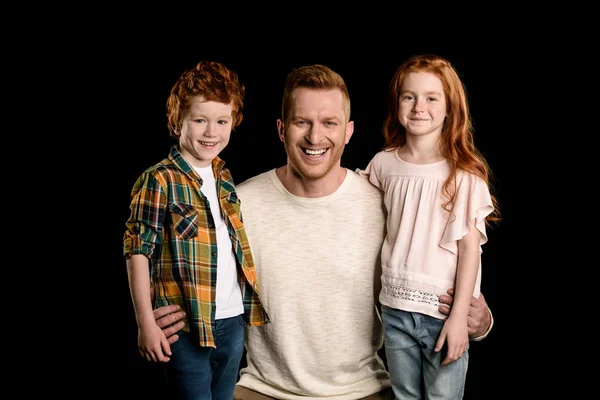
x: 420, y: 253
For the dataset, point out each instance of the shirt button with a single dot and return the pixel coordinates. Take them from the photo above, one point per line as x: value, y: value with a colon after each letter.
x: 214, y: 253
x: 214, y: 283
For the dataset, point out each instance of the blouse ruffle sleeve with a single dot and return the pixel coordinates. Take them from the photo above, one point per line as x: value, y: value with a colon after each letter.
x: 473, y: 201
x: 371, y: 172
x: 364, y: 172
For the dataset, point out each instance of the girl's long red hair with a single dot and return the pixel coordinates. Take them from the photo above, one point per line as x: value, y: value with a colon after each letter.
x: 456, y: 142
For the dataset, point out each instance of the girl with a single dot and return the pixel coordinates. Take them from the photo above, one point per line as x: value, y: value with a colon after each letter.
x: 436, y: 191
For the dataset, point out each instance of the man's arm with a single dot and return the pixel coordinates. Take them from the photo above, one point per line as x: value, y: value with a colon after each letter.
x: 480, y: 320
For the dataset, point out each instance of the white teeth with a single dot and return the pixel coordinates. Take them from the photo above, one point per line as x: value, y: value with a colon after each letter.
x: 315, y: 152
x: 207, y: 143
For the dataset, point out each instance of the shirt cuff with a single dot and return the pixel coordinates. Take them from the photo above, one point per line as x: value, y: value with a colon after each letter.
x: 477, y: 339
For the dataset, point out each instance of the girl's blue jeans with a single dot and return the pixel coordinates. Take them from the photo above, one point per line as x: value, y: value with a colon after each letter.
x: 415, y: 369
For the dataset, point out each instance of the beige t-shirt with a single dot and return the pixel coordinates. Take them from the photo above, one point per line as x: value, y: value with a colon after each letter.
x: 317, y: 261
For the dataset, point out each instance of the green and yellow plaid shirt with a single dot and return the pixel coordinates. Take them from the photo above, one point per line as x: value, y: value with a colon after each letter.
x: 171, y: 224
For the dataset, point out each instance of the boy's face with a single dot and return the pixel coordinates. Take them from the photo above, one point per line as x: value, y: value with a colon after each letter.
x: 205, y: 131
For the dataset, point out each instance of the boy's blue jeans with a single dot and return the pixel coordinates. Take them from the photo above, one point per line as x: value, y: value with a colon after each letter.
x: 205, y: 373
x: 410, y: 338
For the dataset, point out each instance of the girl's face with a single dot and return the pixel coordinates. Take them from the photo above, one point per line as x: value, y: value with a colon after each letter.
x: 422, y: 107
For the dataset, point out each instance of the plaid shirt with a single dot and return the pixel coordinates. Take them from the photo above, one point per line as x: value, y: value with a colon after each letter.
x: 172, y: 225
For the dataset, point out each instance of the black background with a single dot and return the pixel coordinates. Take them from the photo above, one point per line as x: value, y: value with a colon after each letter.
x: 145, y: 75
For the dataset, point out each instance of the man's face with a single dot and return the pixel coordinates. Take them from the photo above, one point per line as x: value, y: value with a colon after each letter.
x: 316, y: 131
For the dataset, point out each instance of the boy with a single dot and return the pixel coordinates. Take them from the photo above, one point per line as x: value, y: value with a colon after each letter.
x: 186, y: 242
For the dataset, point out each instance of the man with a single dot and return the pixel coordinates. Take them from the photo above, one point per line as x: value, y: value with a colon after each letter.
x: 316, y: 230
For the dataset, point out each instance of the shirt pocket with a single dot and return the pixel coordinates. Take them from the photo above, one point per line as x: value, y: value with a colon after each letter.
x: 185, y: 220
x: 233, y: 210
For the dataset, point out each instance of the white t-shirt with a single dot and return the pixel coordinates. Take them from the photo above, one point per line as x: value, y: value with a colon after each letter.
x: 229, y: 296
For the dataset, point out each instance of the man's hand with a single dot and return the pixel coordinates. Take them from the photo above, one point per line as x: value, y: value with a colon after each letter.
x: 169, y: 319
x: 479, y: 316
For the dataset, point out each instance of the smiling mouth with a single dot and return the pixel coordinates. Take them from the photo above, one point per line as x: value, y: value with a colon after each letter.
x: 209, y: 144
x: 314, y: 153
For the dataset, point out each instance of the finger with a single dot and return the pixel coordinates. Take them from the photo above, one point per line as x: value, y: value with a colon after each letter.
x: 162, y: 311
x: 444, y: 310
x: 449, y: 359
x: 478, y: 303
x: 161, y: 357
x: 440, y: 343
x: 173, y: 338
x: 482, y: 300
x: 471, y: 328
x: 145, y: 355
x: 173, y: 329
x: 169, y: 319
x: 445, y: 299
x: 450, y: 291
x: 166, y: 348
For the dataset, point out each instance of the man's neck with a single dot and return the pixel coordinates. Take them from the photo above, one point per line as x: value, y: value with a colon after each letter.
x: 301, y: 186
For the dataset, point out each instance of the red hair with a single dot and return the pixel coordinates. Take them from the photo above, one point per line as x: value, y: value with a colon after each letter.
x: 456, y: 142
x: 212, y: 80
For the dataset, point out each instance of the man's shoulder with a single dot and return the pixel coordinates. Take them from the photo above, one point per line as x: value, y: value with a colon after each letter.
x: 362, y: 184
x: 254, y: 182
